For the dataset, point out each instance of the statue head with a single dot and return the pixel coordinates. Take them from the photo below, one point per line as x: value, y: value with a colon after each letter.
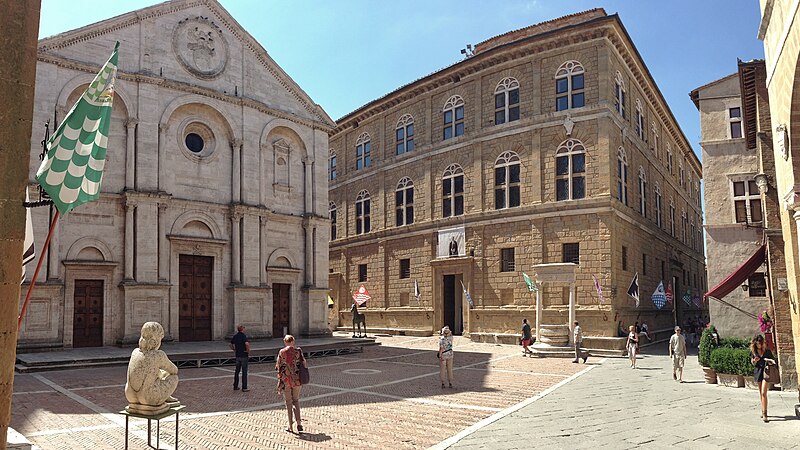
x: 152, y: 333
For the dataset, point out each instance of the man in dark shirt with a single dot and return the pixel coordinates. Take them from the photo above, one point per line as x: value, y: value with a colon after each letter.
x: 241, y: 345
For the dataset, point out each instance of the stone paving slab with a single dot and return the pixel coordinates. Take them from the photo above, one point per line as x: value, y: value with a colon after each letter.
x: 614, y: 406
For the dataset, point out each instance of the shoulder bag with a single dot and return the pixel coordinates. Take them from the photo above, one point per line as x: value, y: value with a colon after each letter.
x: 772, y: 374
x: 305, y: 376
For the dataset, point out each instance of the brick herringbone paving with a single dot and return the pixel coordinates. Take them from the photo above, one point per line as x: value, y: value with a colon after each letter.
x: 386, y: 397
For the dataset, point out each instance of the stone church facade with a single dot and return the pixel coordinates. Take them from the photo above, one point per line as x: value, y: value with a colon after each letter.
x: 550, y: 144
x: 214, y: 196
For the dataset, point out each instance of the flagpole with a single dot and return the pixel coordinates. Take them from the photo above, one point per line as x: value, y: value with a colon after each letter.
x: 38, y: 267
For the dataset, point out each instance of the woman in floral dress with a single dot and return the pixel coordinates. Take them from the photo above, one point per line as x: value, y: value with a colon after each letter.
x: 288, y: 366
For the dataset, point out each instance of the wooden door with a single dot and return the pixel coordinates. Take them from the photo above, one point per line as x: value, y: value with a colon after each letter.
x: 87, y: 322
x: 194, y: 294
x: 449, y: 301
x: 280, y: 309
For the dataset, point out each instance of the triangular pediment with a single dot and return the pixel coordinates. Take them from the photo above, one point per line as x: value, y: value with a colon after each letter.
x: 191, y: 43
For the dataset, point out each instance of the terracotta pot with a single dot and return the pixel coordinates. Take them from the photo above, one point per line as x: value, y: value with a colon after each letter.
x: 729, y: 380
x: 710, y: 375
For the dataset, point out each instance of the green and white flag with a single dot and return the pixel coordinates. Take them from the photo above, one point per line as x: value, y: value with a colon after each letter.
x: 76, y: 153
x: 531, y: 285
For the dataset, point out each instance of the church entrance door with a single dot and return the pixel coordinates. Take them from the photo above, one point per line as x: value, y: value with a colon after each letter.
x: 194, y: 294
x: 87, y: 322
x: 280, y: 309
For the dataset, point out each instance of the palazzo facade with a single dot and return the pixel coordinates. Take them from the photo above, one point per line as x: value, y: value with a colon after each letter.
x: 214, y: 195
x: 548, y: 144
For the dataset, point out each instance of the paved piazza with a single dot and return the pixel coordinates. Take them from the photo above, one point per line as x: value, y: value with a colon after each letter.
x: 389, y: 396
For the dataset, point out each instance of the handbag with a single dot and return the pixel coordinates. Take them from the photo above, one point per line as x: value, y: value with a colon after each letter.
x: 772, y: 374
x: 305, y: 376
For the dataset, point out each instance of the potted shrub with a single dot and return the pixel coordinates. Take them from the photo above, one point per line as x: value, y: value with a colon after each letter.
x: 708, y: 343
x: 730, y: 364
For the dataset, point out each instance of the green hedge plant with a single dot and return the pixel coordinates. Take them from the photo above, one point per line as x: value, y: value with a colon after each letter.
x: 733, y: 361
x: 734, y: 342
x: 707, y: 344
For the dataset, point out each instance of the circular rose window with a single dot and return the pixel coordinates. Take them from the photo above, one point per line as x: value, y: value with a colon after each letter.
x: 194, y: 142
x: 197, y: 140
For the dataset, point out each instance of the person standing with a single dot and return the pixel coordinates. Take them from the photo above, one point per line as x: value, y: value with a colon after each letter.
x: 761, y: 357
x: 288, y: 366
x: 526, y: 337
x: 241, y: 345
x: 677, y: 351
x: 632, y: 345
x: 446, y: 357
x: 577, y: 337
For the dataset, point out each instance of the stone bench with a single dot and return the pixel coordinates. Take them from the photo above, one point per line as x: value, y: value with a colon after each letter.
x: 417, y: 332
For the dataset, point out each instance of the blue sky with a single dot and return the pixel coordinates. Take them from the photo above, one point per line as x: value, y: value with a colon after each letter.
x: 346, y: 53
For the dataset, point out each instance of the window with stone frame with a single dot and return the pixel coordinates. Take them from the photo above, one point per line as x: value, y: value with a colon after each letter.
x: 639, y: 122
x: 654, y: 133
x: 642, y: 192
x: 506, y: 101
x: 332, y: 216
x: 453, y: 117
x: 659, y: 205
x: 507, y: 181
x: 404, y: 134
x: 570, y: 86
x: 757, y: 285
x: 404, y: 202
x: 735, y: 122
x: 453, y: 191
x: 684, y: 226
x: 405, y: 268
x: 570, y: 170
x: 681, y: 173
x: 331, y: 165
x: 692, y: 235
x: 362, y: 273
x: 363, y: 151
x: 697, y: 193
x: 746, y: 201
x: 622, y: 176
x: 571, y: 253
x: 363, y: 213
x: 619, y: 94
x: 507, y: 263
x: 669, y: 159
x: 672, y: 217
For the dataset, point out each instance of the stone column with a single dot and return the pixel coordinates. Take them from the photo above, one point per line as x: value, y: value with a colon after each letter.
x: 130, y: 126
x: 162, y: 166
x: 53, y: 255
x: 262, y: 250
x: 308, y: 228
x: 236, y: 172
x: 309, y: 188
x: 236, y: 254
x: 163, y: 243
x: 571, y: 311
x: 130, y: 209
x: 538, y: 312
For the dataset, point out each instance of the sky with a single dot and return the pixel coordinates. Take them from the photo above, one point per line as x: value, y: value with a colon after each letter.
x: 346, y: 53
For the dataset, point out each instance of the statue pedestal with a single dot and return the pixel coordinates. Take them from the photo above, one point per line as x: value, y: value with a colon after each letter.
x: 176, y: 410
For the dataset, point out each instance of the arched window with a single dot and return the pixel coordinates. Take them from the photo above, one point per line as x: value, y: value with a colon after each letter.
x: 654, y: 132
x: 362, y: 213
x: 453, y: 116
x: 697, y: 193
x: 619, y: 94
x: 331, y: 165
x: 642, y: 192
x: 506, y: 101
x: 658, y: 205
x: 692, y: 235
x: 404, y: 134
x: 332, y: 216
x: 622, y: 176
x: 680, y: 171
x: 672, y: 217
x: 684, y: 225
x: 363, y: 152
x: 506, y: 181
x: 669, y: 159
x: 404, y: 202
x: 640, y: 131
x: 570, y: 170
x: 569, y: 86
x: 453, y: 191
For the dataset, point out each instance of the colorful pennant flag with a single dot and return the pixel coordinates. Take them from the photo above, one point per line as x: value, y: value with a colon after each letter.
x: 687, y: 297
x: 29, y: 249
x: 633, y: 289
x: 417, y: 294
x: 72, y: 170
x: 466, y: 294
x: 331, y: 303
x: 697, y: 300
x: 669, y: 294
x: 362, y: 295
x: 599, y: 289
x: 659, y: 297
x: 531, y: 285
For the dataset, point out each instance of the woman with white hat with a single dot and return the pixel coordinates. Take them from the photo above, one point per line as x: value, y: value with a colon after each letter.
x: 445, y: 356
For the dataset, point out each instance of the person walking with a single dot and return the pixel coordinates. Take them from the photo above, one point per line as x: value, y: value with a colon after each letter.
x: 288, y: 366
x: 632, y: 345
x: 760, y: 356
x: 577, y: 337
x: 526, y: 337
x: 677, y: 351
x: 240, y: 344
x: 446, y: 357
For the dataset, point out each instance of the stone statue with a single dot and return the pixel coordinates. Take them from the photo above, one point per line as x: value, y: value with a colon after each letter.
x: 152, y: 377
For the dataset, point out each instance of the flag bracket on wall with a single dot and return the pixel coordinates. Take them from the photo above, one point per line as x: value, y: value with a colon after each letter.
x: 44, y: 197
